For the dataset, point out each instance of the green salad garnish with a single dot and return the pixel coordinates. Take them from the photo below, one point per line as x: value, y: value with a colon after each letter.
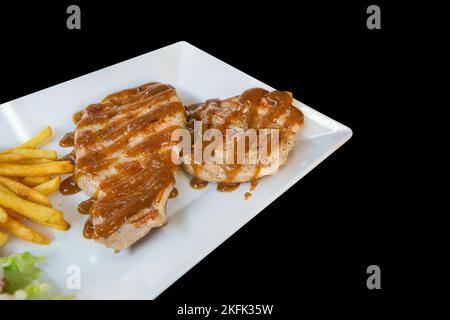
x: 20, y: 278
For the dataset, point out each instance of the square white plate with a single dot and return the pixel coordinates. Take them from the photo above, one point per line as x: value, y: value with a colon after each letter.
x: 199, y: 220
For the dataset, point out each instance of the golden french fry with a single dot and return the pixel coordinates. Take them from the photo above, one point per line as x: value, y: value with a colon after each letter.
x: 3, y: 215
x: 34, y: 161
x: 25, y: 192
x: 18, y: 179
x: 11, y: 157
x: 33, y: 170
x: 6, y: 190
x: 34, y: 154
x: 39, y: 138
x: 49, y: 187
x: 3, y: 239
x: 31, y: 210
x: 14, y: 215
x: 63, y: 225
x: 34, y: 181
x: 24, y: 232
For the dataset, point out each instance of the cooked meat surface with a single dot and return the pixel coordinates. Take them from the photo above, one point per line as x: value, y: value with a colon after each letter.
x: 123, y: 160
x: 254, y: 109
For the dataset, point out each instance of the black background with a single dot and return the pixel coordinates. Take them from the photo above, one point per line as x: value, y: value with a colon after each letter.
x: 310, y: 248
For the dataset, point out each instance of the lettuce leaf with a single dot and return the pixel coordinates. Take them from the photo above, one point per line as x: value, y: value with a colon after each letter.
x: 21, y: 273
x: 41, y: 291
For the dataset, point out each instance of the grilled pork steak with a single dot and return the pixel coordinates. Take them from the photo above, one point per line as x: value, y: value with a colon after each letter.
x: 123, y: 160
x: 254, y: 109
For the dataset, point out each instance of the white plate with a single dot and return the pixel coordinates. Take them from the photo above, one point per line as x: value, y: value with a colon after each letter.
x: 199, y: 220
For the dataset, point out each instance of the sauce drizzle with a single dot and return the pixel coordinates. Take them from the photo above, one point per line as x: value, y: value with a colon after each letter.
x: 69, y: 157
x: 197, y: 183
x: 67, y: 140
x: 76, y: 117
x: 227, y: 187
x: 69, y: 186
x: 88, y: 230
x: 173, y: 193
x: 85, y: 206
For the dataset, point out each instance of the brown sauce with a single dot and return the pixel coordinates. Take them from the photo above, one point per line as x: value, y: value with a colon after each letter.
x: 254, y: 180
x: 116, y: 103
x: 135, y: 123
x: 152, y: 143
x: 197, y: 183
x: 88, y: 230
x: 69, y: 157
x: 76, y: 117
x: 227, y: 187
x: 93, y: 162
x: 252, y: 98
x: 173, y: 193
x: 232, y: 170
x: 135, y: 188
x: 69, y: 186
x: 67, y: 140
x: 85, y: 206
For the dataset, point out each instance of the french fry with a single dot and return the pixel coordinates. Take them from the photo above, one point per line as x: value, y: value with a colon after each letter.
x: 34, y: 161
x: 34, y: 181
x: 14, y: 215
x: 3, y: 239
x: 6, y: 190
x: 24, y: 232
x: 11, y: 157
x: 33, y: 170
x: 33, y: 154
x: 63, y: 225
x: 25, y: 192
x: 18, y: 179
x: 3, y: 215
x: 38, y: 139
x: 49, y: 187
x: 33, y: 211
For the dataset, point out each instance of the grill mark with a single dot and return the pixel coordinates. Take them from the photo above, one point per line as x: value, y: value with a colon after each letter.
x: 152, y: 143
x: 137, y: 187
x: 126, y: 126
x: 97, y: 111
x: 98, y: 114
x: 98, y: 160
x: 129, y: 93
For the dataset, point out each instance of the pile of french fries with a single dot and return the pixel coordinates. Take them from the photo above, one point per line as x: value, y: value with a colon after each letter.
x: 27, y: 176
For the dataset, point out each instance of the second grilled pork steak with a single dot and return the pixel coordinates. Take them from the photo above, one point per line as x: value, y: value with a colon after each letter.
x: 123, y: 160
x: 256, y: 109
